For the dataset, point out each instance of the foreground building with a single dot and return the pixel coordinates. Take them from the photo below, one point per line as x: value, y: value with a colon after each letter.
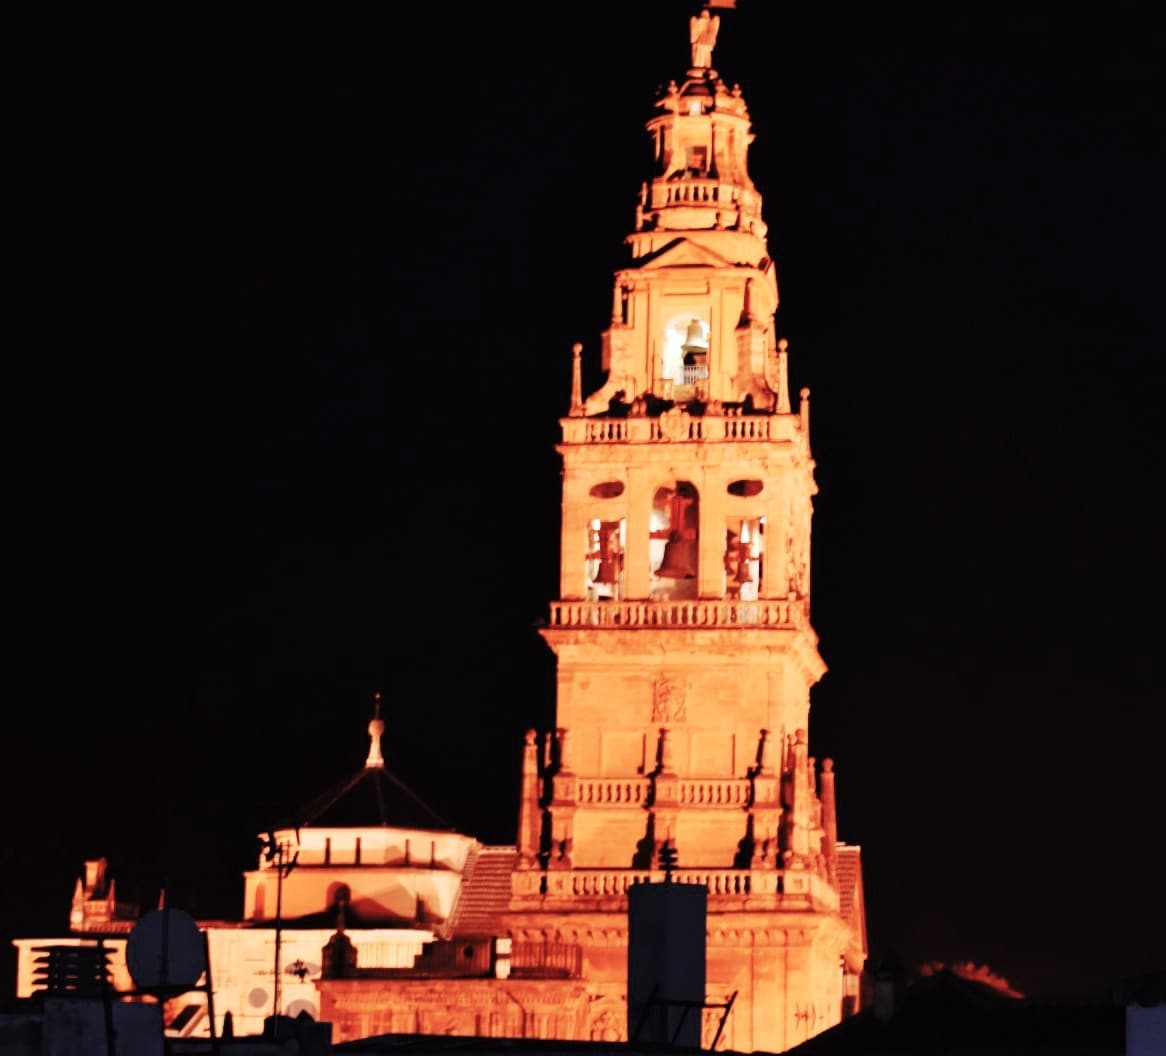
x: 685, y: 660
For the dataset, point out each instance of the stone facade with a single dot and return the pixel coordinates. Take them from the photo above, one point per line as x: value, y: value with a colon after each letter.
x: 684, y: 650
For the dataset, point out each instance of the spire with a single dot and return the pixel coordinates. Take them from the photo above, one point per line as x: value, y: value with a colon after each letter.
x: 375, y: 728
x: 829, y: 819
x: 576, y: 379
x: 797, y: 799
x: 529, y: 814
x: 764, y: 763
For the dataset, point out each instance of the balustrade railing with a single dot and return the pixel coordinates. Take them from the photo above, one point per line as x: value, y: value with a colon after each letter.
x: 748, y: 427
x: 782, y: 613
x: 642, y: 429
x: 602, y: 791
x: 691, y: 190
x: 601, y: 882
x: 606, y: 884
x: 711, y: 792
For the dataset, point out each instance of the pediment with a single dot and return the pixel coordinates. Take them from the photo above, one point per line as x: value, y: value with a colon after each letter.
x: 685, y: 254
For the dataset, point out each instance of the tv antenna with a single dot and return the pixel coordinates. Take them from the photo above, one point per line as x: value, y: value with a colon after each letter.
x: 279, y: 853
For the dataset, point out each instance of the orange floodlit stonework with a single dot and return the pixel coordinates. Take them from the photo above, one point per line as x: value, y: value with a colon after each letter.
x: 685, y: 654
x: 685, y: 658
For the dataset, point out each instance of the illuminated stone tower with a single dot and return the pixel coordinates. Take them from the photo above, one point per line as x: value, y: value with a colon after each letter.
x: 684, y: 650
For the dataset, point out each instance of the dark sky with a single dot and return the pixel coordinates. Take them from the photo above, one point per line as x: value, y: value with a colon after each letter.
x: 291, y: 295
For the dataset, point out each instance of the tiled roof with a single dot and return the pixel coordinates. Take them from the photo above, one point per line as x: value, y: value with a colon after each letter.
x: 371, y: 797
x: 850, y: 895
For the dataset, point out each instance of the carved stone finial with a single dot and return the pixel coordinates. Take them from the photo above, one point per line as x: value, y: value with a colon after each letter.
x: 562, y: 735
x: 375, y: 729
x: 576, y: 379
x: 667, y: 763
x: 764, y: 765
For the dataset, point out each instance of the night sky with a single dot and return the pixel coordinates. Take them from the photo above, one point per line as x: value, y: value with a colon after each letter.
x: 290, y: 302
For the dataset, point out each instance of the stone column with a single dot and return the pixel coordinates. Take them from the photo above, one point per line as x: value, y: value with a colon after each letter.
x: 529, y: 812
x: 829, y: 820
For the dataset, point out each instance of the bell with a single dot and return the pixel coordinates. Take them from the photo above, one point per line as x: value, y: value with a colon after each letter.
x: 731, y: 549
x: 694, y: 340
x: 608, y: 571
x: 744, y: 572
x: 608, y: 553
x: 677, y: 562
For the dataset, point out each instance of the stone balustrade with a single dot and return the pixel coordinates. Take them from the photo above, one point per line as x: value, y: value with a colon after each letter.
x: 692, y: 191
x: 714, y: 792
x: 781, y: 613
x: 708, y: 428
x: 586, y: 885
x: 605, y: 791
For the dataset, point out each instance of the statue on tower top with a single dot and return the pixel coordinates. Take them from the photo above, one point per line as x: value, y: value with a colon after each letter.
x: 702, y: 32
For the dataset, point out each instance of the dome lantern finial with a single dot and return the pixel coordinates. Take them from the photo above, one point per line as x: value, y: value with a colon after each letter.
x: 702, y: 34
x: 375, y: 729
x: 703, y: 37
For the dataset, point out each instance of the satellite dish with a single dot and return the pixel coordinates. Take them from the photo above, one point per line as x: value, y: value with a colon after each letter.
x: 166, y: 951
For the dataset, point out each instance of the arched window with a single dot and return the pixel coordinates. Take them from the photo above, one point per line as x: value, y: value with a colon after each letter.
x: 685, y: 349
x: 606, y: 545
x: 744, y: 552
x: 674, y: 543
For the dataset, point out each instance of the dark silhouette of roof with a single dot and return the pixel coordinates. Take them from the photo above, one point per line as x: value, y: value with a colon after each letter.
x: 949, y: 1013
x: 373, y: 796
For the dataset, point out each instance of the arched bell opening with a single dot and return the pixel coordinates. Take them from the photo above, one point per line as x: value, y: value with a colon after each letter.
x: 685, y: 353
x: 744, y: 557
x: 606, y: 547
x: 674, y: 542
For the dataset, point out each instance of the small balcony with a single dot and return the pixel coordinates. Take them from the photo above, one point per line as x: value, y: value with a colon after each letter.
x: 763, y: 428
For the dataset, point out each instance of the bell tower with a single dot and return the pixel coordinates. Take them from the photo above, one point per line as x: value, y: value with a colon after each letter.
x: 684, y: 650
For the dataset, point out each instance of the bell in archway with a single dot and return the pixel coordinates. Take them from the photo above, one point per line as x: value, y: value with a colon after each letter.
x: 694, y: 339
x: 732, y: 549
x: 744, y: 571
x: 608, y: 571
x: 678, y: 561
x: 608, y: 553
